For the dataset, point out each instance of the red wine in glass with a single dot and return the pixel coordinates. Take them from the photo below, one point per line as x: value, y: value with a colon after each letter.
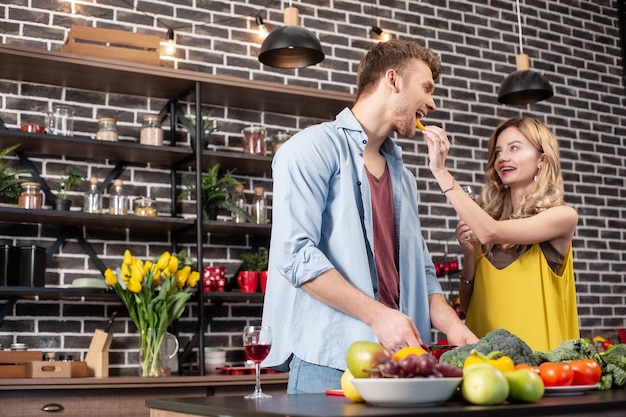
x: 256, y: 353
x: 257, y: 341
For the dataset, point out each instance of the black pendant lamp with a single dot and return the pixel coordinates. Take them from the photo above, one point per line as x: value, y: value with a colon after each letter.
x: 524, y: 86
x: 291, y: 46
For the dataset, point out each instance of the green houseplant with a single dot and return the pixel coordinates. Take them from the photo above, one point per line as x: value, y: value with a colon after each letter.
x: 9, y: 180
x: 255, y: 261
x: 64, y: 184
x: 207, y: 126
x: 215, y: 192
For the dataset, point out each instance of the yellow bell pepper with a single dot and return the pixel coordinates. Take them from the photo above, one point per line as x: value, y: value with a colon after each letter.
x: 496, y: 359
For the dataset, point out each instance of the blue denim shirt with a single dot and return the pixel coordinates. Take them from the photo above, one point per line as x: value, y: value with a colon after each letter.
x: 322, y: 219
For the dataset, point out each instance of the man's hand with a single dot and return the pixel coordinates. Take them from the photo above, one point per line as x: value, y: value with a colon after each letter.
x: 395, y: 330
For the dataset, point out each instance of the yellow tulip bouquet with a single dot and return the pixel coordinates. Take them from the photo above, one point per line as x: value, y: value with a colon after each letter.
x: 155, y: 295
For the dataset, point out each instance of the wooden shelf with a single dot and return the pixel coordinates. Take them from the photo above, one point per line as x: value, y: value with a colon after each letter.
x: 78, y: 218
x: 72, y: 293
x: 242, y: 163
x: 47, y: 293
x: 43, y: 145
x: 119, y: 77
x: 221, y: 228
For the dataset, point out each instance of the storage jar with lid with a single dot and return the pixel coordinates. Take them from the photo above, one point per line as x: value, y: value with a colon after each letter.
x: 151, y: 131
x: 107, y: 129
x: 277, y: 141
x: 117, y: 201
x: 254, y: 140
x: 31, y: 196
x: 145, y: 207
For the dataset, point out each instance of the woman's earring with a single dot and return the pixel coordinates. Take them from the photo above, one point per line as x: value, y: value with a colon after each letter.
x: 535, y: 178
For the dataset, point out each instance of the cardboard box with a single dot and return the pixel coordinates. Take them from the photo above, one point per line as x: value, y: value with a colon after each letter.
x: 113, y: 44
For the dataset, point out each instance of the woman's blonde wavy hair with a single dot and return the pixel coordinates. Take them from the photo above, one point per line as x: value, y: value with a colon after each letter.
x: 548, y: 190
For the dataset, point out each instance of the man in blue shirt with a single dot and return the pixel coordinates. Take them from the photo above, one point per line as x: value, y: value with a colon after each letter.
x: 347, y: 258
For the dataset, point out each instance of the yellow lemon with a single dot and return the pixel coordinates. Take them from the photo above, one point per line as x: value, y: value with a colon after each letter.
x: 348, y: 388
x: 406, y: 351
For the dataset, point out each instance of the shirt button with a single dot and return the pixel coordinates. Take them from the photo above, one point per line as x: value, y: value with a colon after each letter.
x: 358, y: 183
x: 364, y: 142
x: 375, y: 290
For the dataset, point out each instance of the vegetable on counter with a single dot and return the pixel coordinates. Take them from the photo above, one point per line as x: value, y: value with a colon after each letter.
x: 612, y: 362
x: 497, y: 340
x: 503, y: 362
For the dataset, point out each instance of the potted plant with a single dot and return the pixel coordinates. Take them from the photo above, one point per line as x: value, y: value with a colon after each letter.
x: 207, y: 126
x: 9, y: 181
x: 64, y: 184
x: 253, y: 270
x: 215, y: 192
x: 255, y: 261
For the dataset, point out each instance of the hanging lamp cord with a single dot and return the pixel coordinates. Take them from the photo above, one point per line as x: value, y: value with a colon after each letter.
x: 519, y: 23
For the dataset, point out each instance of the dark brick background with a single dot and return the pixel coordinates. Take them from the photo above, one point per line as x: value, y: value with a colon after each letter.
x: 575, y: 44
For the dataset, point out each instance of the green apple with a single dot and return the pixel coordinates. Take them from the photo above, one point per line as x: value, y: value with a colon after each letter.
x: 484, y: 384
x: 364, y: 356
x: 525, y: 385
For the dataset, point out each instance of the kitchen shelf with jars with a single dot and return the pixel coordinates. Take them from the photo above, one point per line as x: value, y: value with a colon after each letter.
x: 30, y: 65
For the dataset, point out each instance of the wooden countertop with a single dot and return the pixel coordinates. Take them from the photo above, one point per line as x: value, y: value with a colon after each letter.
x: 599, y: 403
x: 13, y: 384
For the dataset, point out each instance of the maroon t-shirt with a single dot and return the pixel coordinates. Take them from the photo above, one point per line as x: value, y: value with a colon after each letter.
x: 385, y: 251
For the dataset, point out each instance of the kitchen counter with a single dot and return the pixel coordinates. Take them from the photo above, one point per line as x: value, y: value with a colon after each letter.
x: 599, y: 404
x: 118, y: 396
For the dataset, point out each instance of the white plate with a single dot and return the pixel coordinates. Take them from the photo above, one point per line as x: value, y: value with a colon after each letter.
x: 99, y: 283
x: 568, y: 390
x: 406, y: 392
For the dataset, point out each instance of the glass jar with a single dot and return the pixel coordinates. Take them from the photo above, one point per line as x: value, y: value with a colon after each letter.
x: 240, y: 202
x: 254, y: 140
x: 151, y: 131
x: 145, y: 207
x: 31, y: 196
x: 107, y: 129
x: 93, y: 197
x: 277, y: 140
x: 117, y: 201
x: 259, y: 206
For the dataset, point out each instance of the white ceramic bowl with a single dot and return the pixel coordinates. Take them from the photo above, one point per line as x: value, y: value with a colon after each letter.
x: 406, y: 392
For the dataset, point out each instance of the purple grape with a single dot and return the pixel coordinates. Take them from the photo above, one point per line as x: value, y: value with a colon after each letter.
x: 425, y: 364
x: 407, y: 366
x: 448, y: 370
x: 391, y: 368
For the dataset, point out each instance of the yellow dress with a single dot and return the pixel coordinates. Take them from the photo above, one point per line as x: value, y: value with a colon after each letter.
x: 526, y: 298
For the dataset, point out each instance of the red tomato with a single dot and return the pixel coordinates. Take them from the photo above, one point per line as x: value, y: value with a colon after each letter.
x: 556, y: 374
x: 586, y: 371
x: 606, y: 344
x: 527, y: 366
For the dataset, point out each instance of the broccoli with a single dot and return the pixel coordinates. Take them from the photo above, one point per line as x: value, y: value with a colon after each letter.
x: 613, y: 363
x: 570, y: 350
x: 499, y: 339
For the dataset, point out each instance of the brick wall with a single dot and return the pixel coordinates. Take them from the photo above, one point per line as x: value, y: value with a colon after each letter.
x: 575, y: 44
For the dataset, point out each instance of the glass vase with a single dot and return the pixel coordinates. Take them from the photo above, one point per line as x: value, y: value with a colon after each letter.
x: 153, y: 355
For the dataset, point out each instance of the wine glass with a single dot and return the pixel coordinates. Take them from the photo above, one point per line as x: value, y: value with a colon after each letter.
x: 257, y: 341
x: 469, y: 190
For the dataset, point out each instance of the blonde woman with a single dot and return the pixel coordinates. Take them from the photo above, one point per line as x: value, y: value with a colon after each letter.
x: 517, y: 241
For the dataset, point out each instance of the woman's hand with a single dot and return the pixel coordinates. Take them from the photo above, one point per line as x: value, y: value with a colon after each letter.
x: 438, y: 147
x: 466, y: 238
